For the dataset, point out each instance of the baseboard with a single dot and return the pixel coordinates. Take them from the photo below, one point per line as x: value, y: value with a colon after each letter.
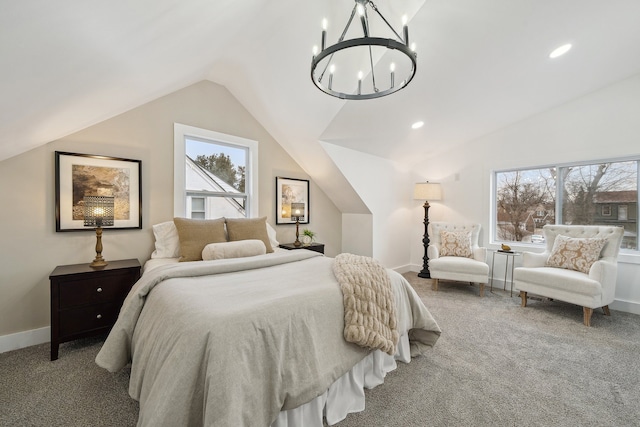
x: 404, y: 269
x: 24, y: 339
x: 626, y: 306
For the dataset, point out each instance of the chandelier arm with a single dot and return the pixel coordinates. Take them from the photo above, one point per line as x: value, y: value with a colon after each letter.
x: 373, y: 74
x: 373, y: 6
x: 344, y: 33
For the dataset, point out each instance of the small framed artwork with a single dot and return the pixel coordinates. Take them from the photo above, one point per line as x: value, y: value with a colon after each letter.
x: 80, y: 175
x: 291, y: 191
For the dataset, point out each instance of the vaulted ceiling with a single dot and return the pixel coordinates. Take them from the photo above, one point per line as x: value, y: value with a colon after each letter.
x: 481, y: 65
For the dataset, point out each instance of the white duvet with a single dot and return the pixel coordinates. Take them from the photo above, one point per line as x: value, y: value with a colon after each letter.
x: 234, y: 342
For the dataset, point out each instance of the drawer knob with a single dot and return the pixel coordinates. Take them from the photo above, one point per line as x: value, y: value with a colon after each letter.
x: 99, y: 316
x: 99, y: 289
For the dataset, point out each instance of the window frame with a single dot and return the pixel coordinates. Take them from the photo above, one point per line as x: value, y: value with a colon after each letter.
x: 180, y: 133
x: 493, y: 225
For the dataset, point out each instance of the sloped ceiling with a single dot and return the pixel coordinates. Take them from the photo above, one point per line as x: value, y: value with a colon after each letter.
x: 481, y: 65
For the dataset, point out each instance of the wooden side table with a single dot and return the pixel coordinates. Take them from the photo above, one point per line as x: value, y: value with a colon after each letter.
x: 316, y: 247
x: 85, y: 301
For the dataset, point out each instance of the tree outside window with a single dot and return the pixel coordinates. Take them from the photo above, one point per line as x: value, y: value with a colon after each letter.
x: 603, y: 193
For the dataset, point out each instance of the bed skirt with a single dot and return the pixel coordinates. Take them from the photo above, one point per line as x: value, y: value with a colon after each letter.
x: 346, y: 394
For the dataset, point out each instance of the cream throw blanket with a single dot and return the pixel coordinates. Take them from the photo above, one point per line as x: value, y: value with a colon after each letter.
x: 369, y: 307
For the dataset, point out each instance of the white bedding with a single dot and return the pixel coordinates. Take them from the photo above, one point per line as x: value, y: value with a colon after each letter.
x: 185, y: 367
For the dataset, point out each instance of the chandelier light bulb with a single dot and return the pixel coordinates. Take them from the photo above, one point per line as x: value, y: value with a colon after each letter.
x: 360, y: 75
x: 332, y: 68
x: 413, y: 47
x: 324, y: 24
x: 392, y: 67
x: 404, y: 20
x: 360, y: 10
x: 315, y: 50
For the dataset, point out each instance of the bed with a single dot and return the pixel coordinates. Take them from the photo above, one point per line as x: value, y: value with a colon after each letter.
x: 252, y: 341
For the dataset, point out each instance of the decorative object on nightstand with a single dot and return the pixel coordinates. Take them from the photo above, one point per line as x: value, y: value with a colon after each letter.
x: 85, y: 301
x: 316, y: 247
x: 98, y: 212
x: 297, y: 212
x: 307, y: 236
x: 426, y: 191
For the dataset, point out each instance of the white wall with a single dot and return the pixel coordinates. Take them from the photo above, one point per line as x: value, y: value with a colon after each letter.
x: 30, y: 248
x: 387, y: 190
x: 602, y: 125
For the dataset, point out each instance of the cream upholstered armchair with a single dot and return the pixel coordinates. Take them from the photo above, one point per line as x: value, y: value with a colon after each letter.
x: 578, y: 266
x: 454, y: 254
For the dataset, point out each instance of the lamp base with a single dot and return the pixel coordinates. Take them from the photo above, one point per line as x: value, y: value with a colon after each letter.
x: 98, y: 263
x: 425, y: 274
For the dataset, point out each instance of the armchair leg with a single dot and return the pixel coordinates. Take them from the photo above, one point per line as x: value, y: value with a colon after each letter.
x: 523, y: 296
x: 587, y: 312
x: 434, y: 284
x: 606, y: 310
x: 481, y: 290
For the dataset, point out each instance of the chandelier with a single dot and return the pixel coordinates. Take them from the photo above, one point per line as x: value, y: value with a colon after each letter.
x: 364, y: 67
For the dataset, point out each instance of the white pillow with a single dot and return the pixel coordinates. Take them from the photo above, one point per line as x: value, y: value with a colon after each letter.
x: 167, y: 240
x: 236, y: 249
x: 272, y: 236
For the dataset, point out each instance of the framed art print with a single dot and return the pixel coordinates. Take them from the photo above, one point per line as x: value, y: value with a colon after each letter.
x: 80, y: 175
x: 288, y: 191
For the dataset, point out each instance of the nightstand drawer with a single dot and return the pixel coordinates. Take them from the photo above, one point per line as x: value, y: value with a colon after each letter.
x: 95, y: 290
x: 88, y: 318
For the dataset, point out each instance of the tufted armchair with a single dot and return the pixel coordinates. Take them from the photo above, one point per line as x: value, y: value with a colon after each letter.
x: 569, y: 270
x: 463, y: 260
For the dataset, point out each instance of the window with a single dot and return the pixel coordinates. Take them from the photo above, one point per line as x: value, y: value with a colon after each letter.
x: 215, y: 174
x: 604, y: 193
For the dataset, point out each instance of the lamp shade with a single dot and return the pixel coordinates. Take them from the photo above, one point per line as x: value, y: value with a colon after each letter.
x: 427, y: 191
x: 98, y: 211
x: 297, y: 211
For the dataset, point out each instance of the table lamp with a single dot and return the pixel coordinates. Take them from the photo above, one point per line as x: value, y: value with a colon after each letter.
x: 98, y: 212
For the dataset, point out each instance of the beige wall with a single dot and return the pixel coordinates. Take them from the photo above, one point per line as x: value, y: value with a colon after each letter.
x: 31, y: 248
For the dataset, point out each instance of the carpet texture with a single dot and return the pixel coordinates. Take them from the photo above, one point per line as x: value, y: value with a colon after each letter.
x: 496, y: 364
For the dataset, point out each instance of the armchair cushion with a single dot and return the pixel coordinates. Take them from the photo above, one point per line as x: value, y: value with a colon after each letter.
x: 455, y: 243
x: 575, y: 253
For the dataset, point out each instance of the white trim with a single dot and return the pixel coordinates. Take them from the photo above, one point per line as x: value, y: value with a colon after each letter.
x: 180, y: 131
x: 404, y: 269
x: 25, y: 339
x: 626, y: 306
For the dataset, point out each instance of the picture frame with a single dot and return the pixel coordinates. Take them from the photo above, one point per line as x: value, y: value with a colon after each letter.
x: 79, y: 174
x: 291, y: 190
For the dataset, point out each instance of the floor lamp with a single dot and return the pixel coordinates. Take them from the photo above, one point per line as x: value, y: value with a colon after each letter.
x: 426, y: 191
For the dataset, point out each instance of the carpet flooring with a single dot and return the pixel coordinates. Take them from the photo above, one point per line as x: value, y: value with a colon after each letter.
x: 496, y: 364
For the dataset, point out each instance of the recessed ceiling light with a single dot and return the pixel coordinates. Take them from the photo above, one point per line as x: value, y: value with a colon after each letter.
x: 417, y: 125
x: 560, y: 50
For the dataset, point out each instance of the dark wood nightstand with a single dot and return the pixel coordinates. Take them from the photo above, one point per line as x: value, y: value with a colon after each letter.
x: 85, y: 301
x: 317, y: 247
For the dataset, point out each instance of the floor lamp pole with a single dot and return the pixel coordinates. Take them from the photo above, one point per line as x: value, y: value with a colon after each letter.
x: 425, y: 241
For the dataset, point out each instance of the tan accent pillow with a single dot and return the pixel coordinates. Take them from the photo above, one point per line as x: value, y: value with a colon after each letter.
x: 238, y: 249
x: 574, y: 253
x: 247, y: 229
x: 195, y: 234
x: 455, y: 243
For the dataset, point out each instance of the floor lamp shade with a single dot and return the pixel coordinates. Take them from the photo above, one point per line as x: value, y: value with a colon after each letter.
x: 426, y: 191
